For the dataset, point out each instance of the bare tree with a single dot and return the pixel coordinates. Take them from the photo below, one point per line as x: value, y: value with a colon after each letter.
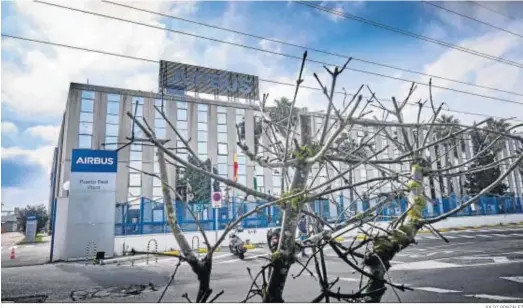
x: 302, y: 154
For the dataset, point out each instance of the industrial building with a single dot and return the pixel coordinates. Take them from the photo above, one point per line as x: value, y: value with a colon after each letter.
x: 95, y: 118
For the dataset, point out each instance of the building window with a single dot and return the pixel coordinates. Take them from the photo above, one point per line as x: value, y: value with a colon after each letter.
x: 85, y: 131
x: 203, y: 118
x: 135, y: 159
x: 137, y: 110
x: 181, y: 114
x: 159, y: 121
x: 222, y: 149
x: 259, y: 174
x: 222, y: 137
x: 135, y: 179
x: 276, y: 182
x: 112, y: 122
x: 363, y: 174
x: 181, y: 126
x: 157, y: 183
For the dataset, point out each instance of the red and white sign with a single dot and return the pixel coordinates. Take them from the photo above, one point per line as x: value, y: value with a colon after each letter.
x: 217, y: 199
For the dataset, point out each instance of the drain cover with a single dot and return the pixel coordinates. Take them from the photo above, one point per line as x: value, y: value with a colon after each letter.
x: 25, y: 299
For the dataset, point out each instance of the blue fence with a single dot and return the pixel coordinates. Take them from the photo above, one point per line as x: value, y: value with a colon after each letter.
x: 150, y: 217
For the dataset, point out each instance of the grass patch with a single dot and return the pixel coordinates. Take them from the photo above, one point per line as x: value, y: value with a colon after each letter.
x: 39, y: 239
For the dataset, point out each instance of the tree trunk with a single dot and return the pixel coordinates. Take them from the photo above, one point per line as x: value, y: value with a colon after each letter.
x: 284, y: 257
x: 386, y: 247
x: 202, y: 269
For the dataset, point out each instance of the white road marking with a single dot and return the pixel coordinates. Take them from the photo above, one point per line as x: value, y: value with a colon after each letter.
x: 518, y: 279
x: 350, y: 279
x: 483, y: 235
x: 501, y: 260
x: 246, y: 258
x: 441, y: 251
x: 516, y: 234
x: 437, y: 290
x: 494, y: 297
x: 451, y: 237
x: 501, y: 235
x: 222, y: 256
x: 467, y: 236
x: 422, y: 265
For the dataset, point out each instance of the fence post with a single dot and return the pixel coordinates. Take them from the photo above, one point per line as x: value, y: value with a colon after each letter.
x: 124, y: 218
x: 141, y: 215
x: 163, y: 217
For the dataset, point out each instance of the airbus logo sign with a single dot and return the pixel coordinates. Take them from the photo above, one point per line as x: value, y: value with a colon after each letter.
x: 86, y: 160
x: 94, y: 161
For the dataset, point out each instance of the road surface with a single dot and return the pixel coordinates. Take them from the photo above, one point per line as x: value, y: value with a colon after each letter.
x: 476, y: 266
x: 26, y: 254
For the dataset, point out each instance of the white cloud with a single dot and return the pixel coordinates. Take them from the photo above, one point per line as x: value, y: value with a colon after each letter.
x: 42, y: 156
x: 50, y: 70
x: 47, y: 133
x: 9, y: 128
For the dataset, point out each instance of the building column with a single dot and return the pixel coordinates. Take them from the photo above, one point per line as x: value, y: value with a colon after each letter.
x: 148, y: 151
x: 170, y: 110
x: 249, y: 138
x: 99, y: 116
x: 124, y: 131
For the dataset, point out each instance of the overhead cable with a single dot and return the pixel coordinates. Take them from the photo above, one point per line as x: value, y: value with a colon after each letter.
x: 261, y: 79
x: 282, y: 54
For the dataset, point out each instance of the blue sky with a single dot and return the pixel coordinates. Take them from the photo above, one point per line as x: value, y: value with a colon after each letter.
x: 36, y: 77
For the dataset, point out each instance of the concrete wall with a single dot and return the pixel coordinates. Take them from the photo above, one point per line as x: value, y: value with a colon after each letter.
x: 166, y: 241
x: 60, y: 230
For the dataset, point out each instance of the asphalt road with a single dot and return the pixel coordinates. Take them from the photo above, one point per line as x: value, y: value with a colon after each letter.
x: 476, y: 266
x: 26, y: 254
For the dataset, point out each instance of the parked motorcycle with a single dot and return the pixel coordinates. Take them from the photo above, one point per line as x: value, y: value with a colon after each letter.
x: 273, y: 238
x: 236, y: 245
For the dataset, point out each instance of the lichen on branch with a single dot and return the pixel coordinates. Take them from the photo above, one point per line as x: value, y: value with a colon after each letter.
x: 295, y: 203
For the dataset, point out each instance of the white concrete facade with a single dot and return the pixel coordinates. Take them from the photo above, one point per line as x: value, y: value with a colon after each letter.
x: 95, y: 115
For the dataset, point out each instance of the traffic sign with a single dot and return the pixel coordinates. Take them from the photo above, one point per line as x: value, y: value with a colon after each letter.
x: 217, y: 199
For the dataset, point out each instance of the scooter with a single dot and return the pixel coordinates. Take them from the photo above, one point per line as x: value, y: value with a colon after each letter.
x: 273, y: 238
x: 236, y: 245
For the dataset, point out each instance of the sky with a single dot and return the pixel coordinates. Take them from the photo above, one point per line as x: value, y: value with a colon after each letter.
x: 36, y: 77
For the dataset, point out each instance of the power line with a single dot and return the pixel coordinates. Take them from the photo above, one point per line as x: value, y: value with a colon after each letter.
x: 309, y: 48
x: 279, y: 53
x: 411, y: 34
x: 493, y: 11
x: 263, y: 80
x: 472, y: 18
